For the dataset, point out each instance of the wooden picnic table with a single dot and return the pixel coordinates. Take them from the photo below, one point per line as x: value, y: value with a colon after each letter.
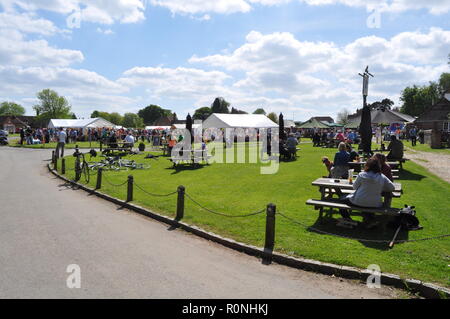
x: 195, y: 157
x: 329, y: 187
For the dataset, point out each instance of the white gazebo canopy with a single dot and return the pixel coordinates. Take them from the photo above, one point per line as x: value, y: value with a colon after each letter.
x: 81, y: 123
x: 217, y: 120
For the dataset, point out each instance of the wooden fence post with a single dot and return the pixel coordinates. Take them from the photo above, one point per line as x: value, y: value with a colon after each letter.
x: 270, y: 227
x: 99, y: 178
x: 180, y: 203
x: 130, y: 189
x: 63, y: 166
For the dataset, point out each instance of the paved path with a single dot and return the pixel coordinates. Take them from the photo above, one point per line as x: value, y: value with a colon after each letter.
x: 436, y: 163
x: 45, y: 226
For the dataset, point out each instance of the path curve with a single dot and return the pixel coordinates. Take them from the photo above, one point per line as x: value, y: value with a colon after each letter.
x: 45, y: 226
x: 436, y: 163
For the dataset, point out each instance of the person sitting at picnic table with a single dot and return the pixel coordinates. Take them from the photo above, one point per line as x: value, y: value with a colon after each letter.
x: 385, y: 168
x: 395, y: 149
x: 340, y: 163
x: 354, y: 155
x: 129, y: 140
x: 113, y: 140
x: 368, y: 186
x: 340, y: 136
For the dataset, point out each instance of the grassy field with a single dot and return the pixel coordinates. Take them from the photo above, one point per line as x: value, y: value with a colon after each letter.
x: 240, y: 188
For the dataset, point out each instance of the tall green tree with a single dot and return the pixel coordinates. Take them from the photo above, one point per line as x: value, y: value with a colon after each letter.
x: 260, y: 111
x: 52, y: 106
x: 11, y: 108
x: 115, y: 118
x: 220, y: 106
x: 417, y: 98
x: 273, y: 116
x: 132, y: 120
x: 152, y: 113
x: 444, y: 82
x: 202, y: 113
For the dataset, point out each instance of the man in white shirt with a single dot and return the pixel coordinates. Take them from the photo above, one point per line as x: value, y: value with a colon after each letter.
x: 61, y: 142
x: 129, y: 140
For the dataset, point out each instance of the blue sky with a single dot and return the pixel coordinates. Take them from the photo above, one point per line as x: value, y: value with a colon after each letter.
x: 294, y: 57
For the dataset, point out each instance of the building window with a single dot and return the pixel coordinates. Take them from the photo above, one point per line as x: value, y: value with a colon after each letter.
x: 446, y: 126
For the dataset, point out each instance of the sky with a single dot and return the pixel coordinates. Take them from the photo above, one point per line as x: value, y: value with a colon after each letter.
x: 298, y: 57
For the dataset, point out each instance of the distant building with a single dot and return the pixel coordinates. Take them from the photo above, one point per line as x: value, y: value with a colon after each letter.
x: 326, y: 119
x: 437, y: 116
x: 13, y: 123
x: 168, y: 121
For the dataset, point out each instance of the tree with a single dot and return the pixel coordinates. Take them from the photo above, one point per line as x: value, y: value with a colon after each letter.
x: 236, y: 111
x: 202, y: 113
x: 260, y: 111
x: 273, y: 116
x: 152, y: 113
x: 220, y: 105
x: 342, y: 117
x: 444, y: 83
x: 52, y: 106
x: 115, y: 118
x: 11, y: 108
x: 417, y: 98
x: 131, y: 120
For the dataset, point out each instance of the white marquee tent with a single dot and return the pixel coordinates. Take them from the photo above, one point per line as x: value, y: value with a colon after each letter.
x: 217, y: 120
x: 81, y: 123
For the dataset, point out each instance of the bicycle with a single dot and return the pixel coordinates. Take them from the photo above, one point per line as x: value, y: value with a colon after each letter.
x: 81, y: 165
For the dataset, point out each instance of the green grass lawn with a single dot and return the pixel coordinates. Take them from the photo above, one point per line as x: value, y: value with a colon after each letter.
x: 427, y: 148
x: 240, y: 188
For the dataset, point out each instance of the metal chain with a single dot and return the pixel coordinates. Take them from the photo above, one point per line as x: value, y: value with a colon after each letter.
x: 115, y: 185
x: 359, y: 239
x: 151, y: 194
x: 221, y: 214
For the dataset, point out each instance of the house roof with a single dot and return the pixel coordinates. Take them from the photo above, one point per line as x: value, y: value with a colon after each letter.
x: 314, y: 123
x: 328, y: 119
x: 438, y: 112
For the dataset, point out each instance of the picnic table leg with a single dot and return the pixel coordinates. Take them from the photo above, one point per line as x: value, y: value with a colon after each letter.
x: 387, y: 200
x: 322, y: 192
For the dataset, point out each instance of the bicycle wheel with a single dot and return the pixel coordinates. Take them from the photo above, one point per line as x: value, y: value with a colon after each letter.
x: 85, y: 170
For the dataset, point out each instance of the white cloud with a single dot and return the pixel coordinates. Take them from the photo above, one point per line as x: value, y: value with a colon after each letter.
x: 323, y: 74
x: 26, y: 23
x: 97, y: 11
x: 105, y: 31
x: 15, y: 50
x: 178, y: 83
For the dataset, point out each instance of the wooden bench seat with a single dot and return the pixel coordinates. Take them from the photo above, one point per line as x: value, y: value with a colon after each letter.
x: 349, y: 191
x: 320, y: 204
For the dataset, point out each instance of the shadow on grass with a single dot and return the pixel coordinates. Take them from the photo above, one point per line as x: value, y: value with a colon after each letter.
x: 185, y: 167
x: 410, y: 176
x: 370, y: 238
